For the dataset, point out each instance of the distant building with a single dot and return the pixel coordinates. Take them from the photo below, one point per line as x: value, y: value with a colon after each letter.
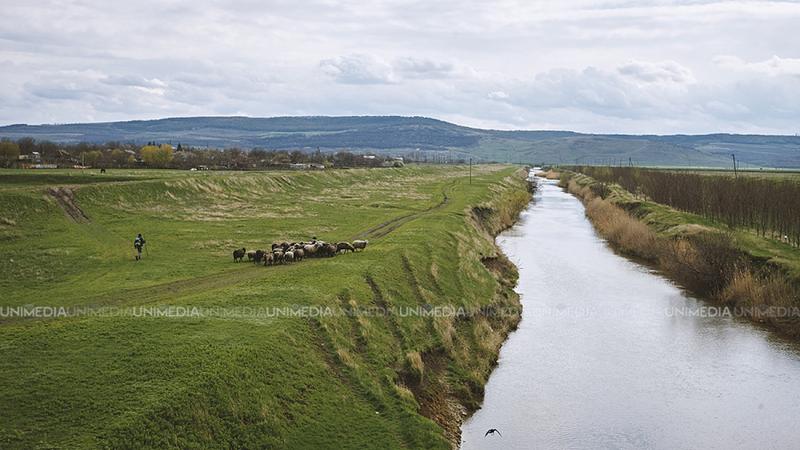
x: 34, y: 157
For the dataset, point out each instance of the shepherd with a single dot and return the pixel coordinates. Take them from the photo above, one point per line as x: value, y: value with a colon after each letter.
x: 138, y: 244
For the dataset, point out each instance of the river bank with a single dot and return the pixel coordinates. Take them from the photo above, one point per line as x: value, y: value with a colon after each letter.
x: 368, y: 349
x: 435, y: 376
x: 735, y: 271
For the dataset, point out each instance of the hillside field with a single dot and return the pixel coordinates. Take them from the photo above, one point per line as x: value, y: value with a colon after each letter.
x: 232, y: 376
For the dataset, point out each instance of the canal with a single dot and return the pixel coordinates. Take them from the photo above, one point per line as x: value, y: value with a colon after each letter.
x: 610, y: 354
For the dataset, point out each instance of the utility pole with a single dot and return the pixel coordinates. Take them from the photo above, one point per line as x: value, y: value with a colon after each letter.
x: 735, y: 173
x: 470, y: 171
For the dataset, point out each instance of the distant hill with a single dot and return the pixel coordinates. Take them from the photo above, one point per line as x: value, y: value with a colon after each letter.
x: 405, y: 134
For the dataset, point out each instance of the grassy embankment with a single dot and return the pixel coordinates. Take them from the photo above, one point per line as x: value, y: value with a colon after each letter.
x: 239, y: 379
x: 758, y: 276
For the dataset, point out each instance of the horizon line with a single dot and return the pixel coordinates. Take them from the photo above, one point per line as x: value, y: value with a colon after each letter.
x: 314, y: 116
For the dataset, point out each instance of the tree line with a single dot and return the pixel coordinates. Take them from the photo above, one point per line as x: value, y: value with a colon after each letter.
x: 768, y: 206
x: 160, y: 155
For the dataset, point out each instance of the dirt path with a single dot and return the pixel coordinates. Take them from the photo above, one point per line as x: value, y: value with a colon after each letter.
x: 387, y: 227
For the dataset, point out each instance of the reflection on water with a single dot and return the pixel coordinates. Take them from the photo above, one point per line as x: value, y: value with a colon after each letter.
x: 600, y: 360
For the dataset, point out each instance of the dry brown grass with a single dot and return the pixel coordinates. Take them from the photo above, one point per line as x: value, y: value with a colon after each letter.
x: 415, y: 364
x: 627, y: 233
x: 749, y: 289
x: 704, y: 261
x: 550, y: 175
x: 346, y: 358
x: 616, y: 225
x: 769, y: 298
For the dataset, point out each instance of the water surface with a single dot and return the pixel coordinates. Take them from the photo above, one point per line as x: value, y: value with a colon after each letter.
x: 608, y: 355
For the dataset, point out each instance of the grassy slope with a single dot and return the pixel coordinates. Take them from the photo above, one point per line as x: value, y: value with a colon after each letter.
x: 247, y: 381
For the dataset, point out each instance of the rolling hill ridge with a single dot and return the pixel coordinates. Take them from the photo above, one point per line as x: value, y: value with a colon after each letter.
x: 399, y: 135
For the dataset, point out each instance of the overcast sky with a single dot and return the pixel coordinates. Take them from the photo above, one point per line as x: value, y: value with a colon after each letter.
x: 624, y: 66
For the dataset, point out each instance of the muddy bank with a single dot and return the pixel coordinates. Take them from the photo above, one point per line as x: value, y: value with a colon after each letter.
x: 443, y: 396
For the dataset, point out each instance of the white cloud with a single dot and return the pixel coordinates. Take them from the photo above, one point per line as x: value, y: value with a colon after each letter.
x: 412, y: 67
x: 605, y: 66
x: 497, y: 95
x: 367, y: 69
x: 774, y: 66
x: 648, y: 72
x: 358, y: 69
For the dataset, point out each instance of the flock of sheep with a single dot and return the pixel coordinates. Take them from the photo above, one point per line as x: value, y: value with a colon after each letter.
x: 288, y: 252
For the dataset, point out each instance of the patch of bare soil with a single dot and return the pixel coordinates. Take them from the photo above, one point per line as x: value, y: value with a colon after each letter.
x: 66, y: 200
x: 435, y: 399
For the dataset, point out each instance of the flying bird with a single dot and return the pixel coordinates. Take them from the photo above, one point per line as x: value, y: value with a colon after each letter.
x: 492, y: 431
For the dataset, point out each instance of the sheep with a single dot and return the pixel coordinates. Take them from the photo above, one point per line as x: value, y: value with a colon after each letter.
x: 288, y: 252
x: 258, y: 256
x: 344, y: 246
x: 328, y: 250
x: 322, y: 250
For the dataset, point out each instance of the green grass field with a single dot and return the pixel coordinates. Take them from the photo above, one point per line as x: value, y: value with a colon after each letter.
x: 233, y: 376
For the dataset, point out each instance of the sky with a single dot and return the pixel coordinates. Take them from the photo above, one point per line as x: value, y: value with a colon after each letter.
x: 616, y: 66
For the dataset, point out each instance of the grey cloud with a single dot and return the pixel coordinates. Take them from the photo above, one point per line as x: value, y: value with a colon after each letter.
x: 358, y: 69
x: 666, y: 71
x: 774, y: 66
x: 616, y: 65
x: 134, y: 80
x: 57, y: 93
x: 411, y: 67
x: 367, y: 69
x: 641, y: 98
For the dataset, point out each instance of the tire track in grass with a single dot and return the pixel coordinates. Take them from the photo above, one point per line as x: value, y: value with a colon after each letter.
x: 387, y: 227
x: 343, y: 374
x: 360, y: 342
x: 164, y: 291
x: 380, y: 301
